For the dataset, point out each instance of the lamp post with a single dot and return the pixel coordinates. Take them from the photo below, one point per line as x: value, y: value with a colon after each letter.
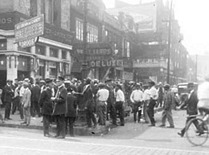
x: 169, y: 42
x: 84, y: 64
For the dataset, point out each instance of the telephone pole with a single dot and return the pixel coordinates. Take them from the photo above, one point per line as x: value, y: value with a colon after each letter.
x: 84, y: 64
x: 169, y: 41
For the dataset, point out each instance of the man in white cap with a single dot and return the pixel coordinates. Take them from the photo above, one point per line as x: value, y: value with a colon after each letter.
x: 26, y: 103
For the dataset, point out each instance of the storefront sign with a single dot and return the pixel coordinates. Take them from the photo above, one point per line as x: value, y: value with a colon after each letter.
x: 27, y: 43
x: 9, y: 19
x: 29, y: 29
x: 57, y: 34
x: 106, y: 63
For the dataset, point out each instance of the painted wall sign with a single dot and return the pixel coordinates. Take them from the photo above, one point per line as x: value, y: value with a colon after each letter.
x: 106, y: 63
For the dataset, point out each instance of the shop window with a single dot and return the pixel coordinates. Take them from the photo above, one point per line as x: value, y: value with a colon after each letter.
x: 64, y: 54
x: 40, y: 50
x: 53, y: 52
x: 3, y: 44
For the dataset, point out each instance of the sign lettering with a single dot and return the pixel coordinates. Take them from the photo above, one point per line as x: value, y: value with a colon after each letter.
x: 106, y: 63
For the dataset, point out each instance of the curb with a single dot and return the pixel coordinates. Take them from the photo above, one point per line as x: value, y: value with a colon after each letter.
x: 78, y: 130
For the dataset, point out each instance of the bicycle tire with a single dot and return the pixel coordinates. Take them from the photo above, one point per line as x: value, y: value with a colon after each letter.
x: 196, y: 136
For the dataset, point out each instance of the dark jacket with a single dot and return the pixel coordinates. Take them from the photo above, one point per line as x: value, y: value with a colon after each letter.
x: 35, y: 93
x: 191, y: 104
x: 45, y: 101
x: 8, y: 94
x: 71, y: 105
x: 59, y: 103
x: 88, y: 98
x: 168, y: 99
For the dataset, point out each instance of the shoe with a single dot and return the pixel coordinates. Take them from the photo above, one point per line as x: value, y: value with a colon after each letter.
x: 47, y: 135
x: 56, y: 136
x: 122, y: 125
x: 170, y: 127
x: 151, y: 125
x: 9, y: 118
x: 60, y: 137
x: 27, y: 124
x: 162, y: 125
x: 180, y: 134
x: 23, y: 123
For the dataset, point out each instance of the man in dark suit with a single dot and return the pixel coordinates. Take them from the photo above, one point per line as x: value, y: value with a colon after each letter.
x: 191, y: 104
x: 70, y: 115
x: 60, y: 107
x: 46, y: 105
x: 7, y: 99
x: 35, y: 95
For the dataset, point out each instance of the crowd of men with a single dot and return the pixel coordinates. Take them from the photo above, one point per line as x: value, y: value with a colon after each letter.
x: 60, y: 100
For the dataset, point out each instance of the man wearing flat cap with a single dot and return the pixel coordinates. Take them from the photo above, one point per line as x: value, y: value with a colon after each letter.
x: 46, y: 106
x: 26, y: 103
x: 60, y: 107
x: 8, y: 94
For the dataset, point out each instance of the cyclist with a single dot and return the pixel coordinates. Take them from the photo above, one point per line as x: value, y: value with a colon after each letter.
x: 203, y: 96
x: 191, y: 104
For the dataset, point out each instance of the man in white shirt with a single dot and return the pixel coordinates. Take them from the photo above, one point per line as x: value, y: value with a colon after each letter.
x: 119, y: 104
x: 146, y: 99
x: 136, y: 98
x: 153, y: 100
x: 102, y: 96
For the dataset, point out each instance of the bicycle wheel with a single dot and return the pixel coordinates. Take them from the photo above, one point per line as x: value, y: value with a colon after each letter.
x: 197, y: 131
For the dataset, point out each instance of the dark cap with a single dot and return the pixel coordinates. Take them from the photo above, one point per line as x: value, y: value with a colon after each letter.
x: 9, y: 80
x: 108, y: 80
x: 167, y: 86
x: 61, y: 78
x: 48, y: 80
x: 151, y: 83
x: 190, y: 85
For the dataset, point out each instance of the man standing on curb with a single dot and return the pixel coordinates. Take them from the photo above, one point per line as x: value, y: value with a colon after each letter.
x: 26, y: 103
x: 153, y: 100
x: 45, y: 103
x: 136, y: 98
x: 60, y: 107
x: 102, y: 96
x: 168, y: 100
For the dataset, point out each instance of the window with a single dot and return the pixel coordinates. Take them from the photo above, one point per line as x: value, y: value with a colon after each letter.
x: 40, y: 50
x: 92, y: 35
x: 79, y: 29
x: 53, y: 52
x: 50, y: 14
x: 64, y: 54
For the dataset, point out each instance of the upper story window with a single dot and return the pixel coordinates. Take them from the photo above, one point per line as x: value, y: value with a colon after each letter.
x: 92, y: 35
x: 53, y: 52
x: 64, y: 54
x: 40, y: 50
x: 50, y: 13
x: 79, y: 29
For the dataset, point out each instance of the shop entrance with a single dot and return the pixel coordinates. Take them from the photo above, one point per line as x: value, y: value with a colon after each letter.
x: 3, y: 78
x: 22, y: 75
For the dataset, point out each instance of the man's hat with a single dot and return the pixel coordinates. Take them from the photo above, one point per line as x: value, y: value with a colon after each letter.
x: 42, y: 81
x: 167, y: 86
x: 152, y: 83
x: 27, y: 80
x: 9, y: 80
x: 48, y: 80
x: 61, y: 78
x: 190, y: 85
x: 108, y: 80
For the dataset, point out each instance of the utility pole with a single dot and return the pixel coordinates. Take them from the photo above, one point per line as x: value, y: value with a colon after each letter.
x: 169, y: 41
x: 84, y: 64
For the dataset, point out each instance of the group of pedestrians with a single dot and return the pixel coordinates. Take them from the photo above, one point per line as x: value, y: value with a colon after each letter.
x: 60, y: 100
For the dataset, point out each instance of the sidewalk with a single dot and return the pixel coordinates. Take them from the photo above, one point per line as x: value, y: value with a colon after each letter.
x: 36, y: 123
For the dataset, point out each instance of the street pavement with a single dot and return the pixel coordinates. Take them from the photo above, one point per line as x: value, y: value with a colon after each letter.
x: 133, y: 138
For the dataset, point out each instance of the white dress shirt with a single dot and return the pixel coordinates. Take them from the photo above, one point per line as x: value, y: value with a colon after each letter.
x: 103, y: 94
x: 146, y: 95
x: 119, y: 95
x: 153, y: 93
x: 136, y: 96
